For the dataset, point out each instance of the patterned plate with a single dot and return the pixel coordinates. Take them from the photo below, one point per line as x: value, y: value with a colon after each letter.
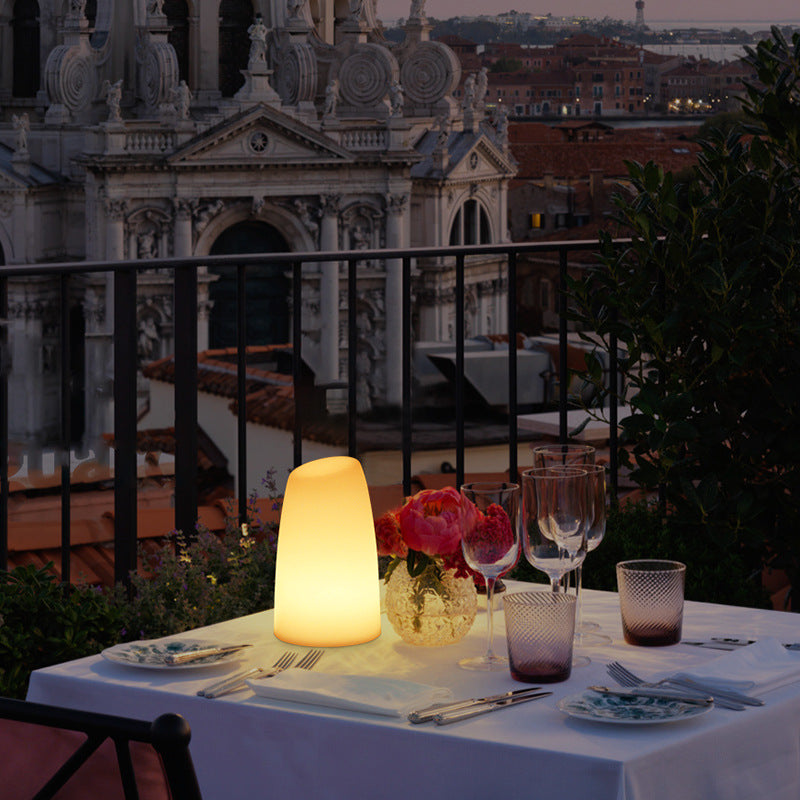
x: 628, y: 711
x: 150, y: 653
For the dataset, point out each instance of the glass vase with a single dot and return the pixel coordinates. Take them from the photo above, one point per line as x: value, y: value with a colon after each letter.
x: 433, y: 609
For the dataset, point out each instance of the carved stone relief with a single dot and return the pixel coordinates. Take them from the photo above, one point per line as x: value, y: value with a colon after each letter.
x: 366, y: 75
x: 429, y: 73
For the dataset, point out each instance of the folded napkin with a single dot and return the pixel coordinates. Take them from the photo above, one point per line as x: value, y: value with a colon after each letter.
x: 366, y: 693
x: 761, y: 666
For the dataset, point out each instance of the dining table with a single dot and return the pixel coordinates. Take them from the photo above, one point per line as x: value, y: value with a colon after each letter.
x: 246, y: 746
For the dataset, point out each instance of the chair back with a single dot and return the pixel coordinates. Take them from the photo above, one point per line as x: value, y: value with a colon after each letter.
x: 52, y: 752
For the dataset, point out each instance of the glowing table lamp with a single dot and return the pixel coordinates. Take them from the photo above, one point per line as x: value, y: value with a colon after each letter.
x: 326, y: 574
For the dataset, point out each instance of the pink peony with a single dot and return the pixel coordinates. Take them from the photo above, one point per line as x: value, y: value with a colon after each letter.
x: 431, y: 521
x: 390, y: 540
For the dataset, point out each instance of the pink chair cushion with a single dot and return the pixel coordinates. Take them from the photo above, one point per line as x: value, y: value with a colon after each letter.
x: 30, y: 755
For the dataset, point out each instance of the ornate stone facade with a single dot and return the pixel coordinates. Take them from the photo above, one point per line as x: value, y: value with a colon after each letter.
x: 177, y: 128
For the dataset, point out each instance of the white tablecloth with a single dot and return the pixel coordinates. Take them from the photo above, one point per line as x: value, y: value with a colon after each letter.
x: 249, y: 747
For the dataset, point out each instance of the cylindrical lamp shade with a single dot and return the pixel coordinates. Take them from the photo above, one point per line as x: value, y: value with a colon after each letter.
x: 326, y: 576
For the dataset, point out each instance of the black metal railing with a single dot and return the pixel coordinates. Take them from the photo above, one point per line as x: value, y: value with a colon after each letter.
x: 125, y: 337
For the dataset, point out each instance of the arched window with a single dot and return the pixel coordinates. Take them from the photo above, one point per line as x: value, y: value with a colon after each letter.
x: 177, y: 12
x: 267, y: 288
x: 236, y: 16
x: 471, y: 225
x: 25, y: 25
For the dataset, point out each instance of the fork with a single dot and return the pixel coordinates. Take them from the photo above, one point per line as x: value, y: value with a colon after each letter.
x: 233, y: 682
x: 309, y: 660
x: 624, y: 677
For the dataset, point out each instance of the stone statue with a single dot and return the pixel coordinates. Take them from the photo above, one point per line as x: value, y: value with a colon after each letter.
x: 22, y: 126
x: 77, y: 7
x: 417, y: 9
x: 482, y: 85
x: 501, y: 126
x: 331, y: 97
x: 293, y: 8
x: 304, y: 213
x: 113, y: 92
x: 396, y: 99
x: 469, y: 91
x: 155, y: 7
x: 258, y: 41
x: 181, y: 96
x: 357, y: 9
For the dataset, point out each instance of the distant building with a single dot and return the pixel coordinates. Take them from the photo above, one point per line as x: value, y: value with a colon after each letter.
x: 159, y: 128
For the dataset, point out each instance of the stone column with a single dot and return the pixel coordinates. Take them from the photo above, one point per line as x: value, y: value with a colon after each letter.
x: 329, y: 293
x: 396, y: 236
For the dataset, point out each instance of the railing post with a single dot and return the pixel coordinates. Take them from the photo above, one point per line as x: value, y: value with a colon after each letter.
x: 5, y: 366
x: 125, y: 479
x: 407, y: 421
x: 460, y: 291
x: 297, y: 361
x: 241, y: 390
x: 512, y: 366
x: 563, y: 382
x: 186, y: 440
x: 352, y: 356
x: 66, y: 426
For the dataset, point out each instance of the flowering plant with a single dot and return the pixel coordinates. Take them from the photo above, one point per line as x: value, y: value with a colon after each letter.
x: 426, y: 534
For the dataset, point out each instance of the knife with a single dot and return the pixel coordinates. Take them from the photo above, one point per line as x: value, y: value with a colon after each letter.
x: 719, y: 693
x: 485, y: 708
x: 656, y: 694
x: 429, y: 713
x: 176, y: 659
x: 730, y: 643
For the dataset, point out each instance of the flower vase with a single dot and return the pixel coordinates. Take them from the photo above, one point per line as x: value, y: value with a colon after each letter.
x: 433, y: 609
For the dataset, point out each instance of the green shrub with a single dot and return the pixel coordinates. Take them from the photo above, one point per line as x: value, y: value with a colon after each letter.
x: 43, y: 622
x: 705, y: 301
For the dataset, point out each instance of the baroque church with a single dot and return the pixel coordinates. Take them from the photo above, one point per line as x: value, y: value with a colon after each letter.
x: 137, y: 129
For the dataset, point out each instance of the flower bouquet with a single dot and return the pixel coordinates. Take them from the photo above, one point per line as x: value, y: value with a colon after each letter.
x: 430, y: 590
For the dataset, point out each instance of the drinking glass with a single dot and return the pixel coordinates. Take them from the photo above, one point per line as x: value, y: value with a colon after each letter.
x: 595, y: 530
x: 539, y: 545
x: 490, y: 544
x: 583, y: 456
x: 561, y: 513
x: 564, y: 455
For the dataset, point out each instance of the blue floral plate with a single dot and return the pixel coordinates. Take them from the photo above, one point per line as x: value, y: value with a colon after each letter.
x: 628, y: 710
x: 151, y: 653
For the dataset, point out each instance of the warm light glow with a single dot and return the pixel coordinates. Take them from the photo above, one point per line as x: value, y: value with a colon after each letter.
x: 326, y: 576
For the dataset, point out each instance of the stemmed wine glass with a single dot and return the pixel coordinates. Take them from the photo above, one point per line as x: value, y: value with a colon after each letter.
x: 561, y: 497
x: 595, y: 530
x: 490, y: 544
x: 583, y: 456
x: 541, y: 549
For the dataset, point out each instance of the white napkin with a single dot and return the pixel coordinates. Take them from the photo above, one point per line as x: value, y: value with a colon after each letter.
x: 761, y: 666
x: 366, y: 693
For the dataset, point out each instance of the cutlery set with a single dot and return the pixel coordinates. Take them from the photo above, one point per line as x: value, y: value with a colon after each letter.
x: 472, y: 707
x: 235, y: 682
x: 731, y: 643
x: 683, y: 689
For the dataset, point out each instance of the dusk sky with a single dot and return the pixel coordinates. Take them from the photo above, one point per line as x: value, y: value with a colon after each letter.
x: 733, y: 10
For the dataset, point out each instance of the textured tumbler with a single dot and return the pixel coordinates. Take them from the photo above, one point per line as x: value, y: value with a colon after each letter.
x: 540, y: 627
x: 651, y: 601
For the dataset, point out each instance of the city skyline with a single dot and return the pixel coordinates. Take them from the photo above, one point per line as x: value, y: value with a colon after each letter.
x: 735, y: 11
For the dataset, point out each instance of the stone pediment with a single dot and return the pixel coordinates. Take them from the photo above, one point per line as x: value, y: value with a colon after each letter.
x: 260, y: 136
x: 481, y: 160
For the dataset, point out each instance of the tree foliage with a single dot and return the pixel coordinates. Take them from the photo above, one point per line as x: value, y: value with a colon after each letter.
x: 705, y: 301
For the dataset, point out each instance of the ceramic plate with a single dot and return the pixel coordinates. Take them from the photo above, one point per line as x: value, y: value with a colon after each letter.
x: 150, y: 653
x: 628, y: 711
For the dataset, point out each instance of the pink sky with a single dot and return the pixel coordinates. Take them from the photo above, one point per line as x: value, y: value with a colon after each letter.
x: 733, y: 10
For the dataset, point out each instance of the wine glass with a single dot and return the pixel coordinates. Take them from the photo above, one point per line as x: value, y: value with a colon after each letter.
x: 490, y: 544
x: 595, y: 530
x: 541, y: 549
x: 565, y: 455
x: 561, y: 512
